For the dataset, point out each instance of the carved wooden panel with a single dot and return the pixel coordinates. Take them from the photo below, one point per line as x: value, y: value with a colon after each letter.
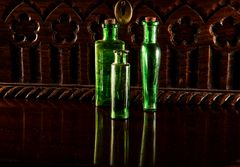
x: 48, y: 42
x: 166, y: 96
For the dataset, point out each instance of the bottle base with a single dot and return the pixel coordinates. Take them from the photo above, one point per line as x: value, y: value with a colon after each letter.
x: 119, y: 116
x: 149, y: 109
x: 102, y: 103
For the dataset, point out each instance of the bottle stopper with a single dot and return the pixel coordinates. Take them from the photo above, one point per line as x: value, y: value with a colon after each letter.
x: 150, y: 19
x: 110, y: 21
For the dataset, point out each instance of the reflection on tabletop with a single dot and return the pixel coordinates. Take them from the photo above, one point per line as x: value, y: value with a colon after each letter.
x: 172, y: 136
x: 148, y: 141
x: 79, y: 134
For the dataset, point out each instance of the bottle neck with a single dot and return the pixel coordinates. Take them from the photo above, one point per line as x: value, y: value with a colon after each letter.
x: 150, y: 32
x: 120, y: 59
x: 120, y: 56
x: 110, y: 32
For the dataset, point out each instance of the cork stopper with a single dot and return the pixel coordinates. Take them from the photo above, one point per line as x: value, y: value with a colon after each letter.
x: 150, y: 19
x: 110, y: 21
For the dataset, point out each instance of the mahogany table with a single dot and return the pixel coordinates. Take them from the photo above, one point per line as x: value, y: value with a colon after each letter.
x: 73, y: 133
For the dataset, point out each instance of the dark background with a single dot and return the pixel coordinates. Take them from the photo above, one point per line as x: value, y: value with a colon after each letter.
x: 52, y: 42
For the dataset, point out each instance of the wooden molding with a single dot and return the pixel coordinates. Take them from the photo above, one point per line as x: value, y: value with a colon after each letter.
x: 86, y: 93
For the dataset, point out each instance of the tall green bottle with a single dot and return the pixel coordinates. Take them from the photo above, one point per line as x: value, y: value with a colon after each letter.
x: 104, y: 57
x: 150, y: 63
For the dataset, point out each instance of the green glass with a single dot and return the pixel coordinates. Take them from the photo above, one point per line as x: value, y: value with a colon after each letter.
x: 119, y: 144
x: 120, y: 85
x: 101, y: 143
x: 148, y: 143
x: 104, y: 57
x: 150, y: 63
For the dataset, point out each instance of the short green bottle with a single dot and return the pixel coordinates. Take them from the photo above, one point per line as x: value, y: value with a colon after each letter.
x: 150, y: 63
x: 104, y: 57
x: 120, y: 85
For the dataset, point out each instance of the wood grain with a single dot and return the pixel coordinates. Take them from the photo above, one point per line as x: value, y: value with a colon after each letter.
x: 52, y: 42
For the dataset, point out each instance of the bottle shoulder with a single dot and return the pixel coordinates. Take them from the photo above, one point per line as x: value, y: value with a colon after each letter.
x: 145, y: 43
x: 118, y: 41
x: 150, y: 45
x: 121, y: 64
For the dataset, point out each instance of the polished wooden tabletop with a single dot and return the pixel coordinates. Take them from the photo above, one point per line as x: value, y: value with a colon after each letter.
x: 73, y: 133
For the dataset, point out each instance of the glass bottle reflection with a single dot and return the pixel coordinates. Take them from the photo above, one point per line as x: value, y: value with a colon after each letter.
x: 148, y: 143
x: 119, y: 146
x: 101, y: 145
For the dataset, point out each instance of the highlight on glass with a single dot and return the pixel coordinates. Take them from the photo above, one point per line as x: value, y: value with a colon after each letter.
x: 150, y: 57
x: 104, y: 57
x: 120, y: 85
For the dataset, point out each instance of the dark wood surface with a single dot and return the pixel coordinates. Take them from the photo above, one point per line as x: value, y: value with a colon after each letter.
x: 47, y: 112
x: 60, y: 133
x: 47, y: 49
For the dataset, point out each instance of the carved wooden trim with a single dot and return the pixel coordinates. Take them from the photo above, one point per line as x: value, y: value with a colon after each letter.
x: 52, y: 42
x: 86, y: 93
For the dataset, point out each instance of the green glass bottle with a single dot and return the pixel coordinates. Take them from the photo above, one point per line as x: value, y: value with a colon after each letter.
x: 104, y: 57
x: 150, y: 63
x: 120, y: 85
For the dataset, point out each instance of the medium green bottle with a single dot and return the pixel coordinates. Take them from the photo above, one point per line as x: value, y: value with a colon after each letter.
x: 104, y: 57
x: 120, y: 85
x: 150, y: 63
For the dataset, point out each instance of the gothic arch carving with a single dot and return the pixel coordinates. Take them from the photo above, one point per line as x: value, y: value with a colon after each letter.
x: 20, y: 8
x: 63, y: 8
x: 223, y: 27
x: 184, y: 26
